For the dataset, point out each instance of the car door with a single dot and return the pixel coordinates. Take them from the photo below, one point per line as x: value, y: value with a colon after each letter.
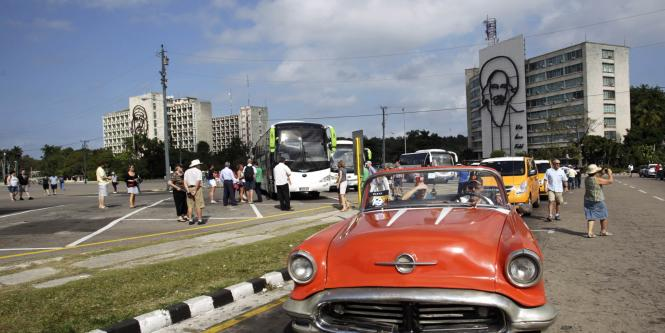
x: 533, y: 178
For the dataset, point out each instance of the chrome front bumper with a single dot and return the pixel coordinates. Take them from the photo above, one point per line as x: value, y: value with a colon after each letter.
x: 306, y: 318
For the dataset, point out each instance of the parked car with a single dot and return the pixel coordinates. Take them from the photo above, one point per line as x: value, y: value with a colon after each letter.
x: 648, y: 170
x: 520, y: 176
x: 542, y: 166
x: 440, y: 258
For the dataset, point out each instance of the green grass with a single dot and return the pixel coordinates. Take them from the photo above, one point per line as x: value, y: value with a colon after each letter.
x: 114, y: 295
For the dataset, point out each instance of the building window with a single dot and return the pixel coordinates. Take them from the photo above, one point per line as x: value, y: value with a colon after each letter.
x: 608, y: 68
x: 609, y: 108
x: 610, y: 122
x: 608, y: 94
x: 608, y: 54
x: 612, y: 135
x: 608, y: 81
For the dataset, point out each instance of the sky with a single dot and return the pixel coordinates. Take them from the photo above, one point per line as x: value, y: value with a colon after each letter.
x: 64, y: 63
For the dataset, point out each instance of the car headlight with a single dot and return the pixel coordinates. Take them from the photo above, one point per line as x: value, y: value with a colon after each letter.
x: 522, y: 188
x: 302, y: 267
x: 523, y: 268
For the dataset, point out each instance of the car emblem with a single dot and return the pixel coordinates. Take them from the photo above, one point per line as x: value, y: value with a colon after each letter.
x: 406, y: 263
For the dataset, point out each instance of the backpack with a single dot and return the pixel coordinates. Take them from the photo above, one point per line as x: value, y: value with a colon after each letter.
x: 248, y: 173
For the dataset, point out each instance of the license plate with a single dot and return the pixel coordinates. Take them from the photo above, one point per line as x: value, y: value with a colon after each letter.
x: 303, y: 189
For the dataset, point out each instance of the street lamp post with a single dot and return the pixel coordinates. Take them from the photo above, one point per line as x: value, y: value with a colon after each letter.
x: 4, y: 165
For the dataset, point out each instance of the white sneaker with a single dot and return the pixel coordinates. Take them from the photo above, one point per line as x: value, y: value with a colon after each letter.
x: 213, y: 201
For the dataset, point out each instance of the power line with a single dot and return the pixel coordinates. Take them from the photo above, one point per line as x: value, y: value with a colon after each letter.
x: 413, y: 51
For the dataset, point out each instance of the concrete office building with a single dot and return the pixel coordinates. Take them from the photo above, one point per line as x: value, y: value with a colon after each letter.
x: 224, y: 129
x: 190, y: 121
x: 253, y: 123
x: 552, y: 100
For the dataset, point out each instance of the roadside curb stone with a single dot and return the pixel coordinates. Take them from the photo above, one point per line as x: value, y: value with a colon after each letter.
x: 193, y: 307
x: 27, y: 276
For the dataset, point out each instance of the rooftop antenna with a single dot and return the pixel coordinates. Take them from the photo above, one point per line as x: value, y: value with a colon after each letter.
x: 248, y: 104
x: 490, y: 31
x: 230, y: 101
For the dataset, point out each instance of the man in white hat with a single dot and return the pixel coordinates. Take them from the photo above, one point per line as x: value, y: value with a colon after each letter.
x: 192, y: 179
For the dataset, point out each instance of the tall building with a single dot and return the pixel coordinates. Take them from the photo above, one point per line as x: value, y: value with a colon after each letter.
x: 117, y: 129
x: 550, y: 100
x: 190, y: 121
x: 224, y: 129
x: 253, y: 123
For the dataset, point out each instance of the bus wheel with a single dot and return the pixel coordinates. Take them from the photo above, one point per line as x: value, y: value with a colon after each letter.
x: 315, y: 195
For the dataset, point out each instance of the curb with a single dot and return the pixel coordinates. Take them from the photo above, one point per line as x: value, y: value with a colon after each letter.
x: 193, y: 307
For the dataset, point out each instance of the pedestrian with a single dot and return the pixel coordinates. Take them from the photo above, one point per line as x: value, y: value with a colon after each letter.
x: 138, y: 183
x: 195, y: 201
x: 578, y: 177
x: 53, y: 181
x: 249, y: 175
x: 258, y: 179
x: 241, y: 182
x: 398, y: 180
x: 341, y: 185
x: 131, y: 181
x: 229, y: 196
x: 557, y: 182
x: 210, y: 178
x: 12, y: 184
x: 102, y: 181
x: 282, y: 174
x: 61, y: 179
x: 571, y: 177
x: 24, y: 184
x: 630, y: 169
x: 45, y: 186
x: 594, y: 199
x: 179, y: 193
x: 114, y: 182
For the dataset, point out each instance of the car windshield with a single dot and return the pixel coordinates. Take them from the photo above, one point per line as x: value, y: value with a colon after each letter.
x: 440, y: 159
x: 465, y: 187
x: 542, y: 167
x: 304, y: 148
x: 506, y: 168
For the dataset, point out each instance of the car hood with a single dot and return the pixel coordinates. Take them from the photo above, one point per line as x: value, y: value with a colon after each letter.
x: 461, y: 240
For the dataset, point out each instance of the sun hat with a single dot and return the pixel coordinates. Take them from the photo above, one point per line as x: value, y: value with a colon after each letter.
x: 195, y: 163
x: 592, y: 168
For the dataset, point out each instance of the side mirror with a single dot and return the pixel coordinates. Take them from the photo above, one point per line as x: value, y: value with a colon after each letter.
x: 533, y: 172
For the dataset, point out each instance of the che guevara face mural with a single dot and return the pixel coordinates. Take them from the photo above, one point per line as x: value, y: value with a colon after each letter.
x: 499, y: 82
x: 139, y: 120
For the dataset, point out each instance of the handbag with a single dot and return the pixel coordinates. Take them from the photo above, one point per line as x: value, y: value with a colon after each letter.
x: 236, y: 186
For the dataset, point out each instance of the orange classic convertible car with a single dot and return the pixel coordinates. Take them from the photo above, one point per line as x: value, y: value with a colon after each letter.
x: 422, y: 256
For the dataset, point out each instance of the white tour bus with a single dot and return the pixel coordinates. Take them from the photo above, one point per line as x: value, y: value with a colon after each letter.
x: 431, y: 157
x: 306, y: 148
x: 345, y: 152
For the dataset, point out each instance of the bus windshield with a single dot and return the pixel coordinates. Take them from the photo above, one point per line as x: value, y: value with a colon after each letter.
x: 419, y: 159
x: 439, y: 159
x: 344, y: 153
x: 304, y: 148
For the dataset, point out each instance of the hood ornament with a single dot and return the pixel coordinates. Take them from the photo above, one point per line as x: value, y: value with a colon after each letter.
x: 405, y: 263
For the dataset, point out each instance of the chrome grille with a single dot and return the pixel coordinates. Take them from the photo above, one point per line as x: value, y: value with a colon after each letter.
x: 412, y: 317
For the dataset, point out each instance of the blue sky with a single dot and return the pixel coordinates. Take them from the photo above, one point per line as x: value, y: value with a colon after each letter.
x: 64, y: 63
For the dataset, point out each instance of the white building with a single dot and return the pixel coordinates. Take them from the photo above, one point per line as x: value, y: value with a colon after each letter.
x: 117, y: 129
x: 190, y: 121
x: 566, y: 93
x: 224, y: 129
x: 253, y: 123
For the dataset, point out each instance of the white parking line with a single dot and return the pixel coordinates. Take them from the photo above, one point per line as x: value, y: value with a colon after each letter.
x: 632, y: 186
x: 661, y: 199
x: 206, y: 218
x: 642, y: 191
x: 549, y: 231
x: 28, y: 211
x: 110, y: 225
x: 256, y: 211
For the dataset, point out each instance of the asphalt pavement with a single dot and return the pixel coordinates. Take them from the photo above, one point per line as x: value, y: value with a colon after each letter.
x: 605, y: 284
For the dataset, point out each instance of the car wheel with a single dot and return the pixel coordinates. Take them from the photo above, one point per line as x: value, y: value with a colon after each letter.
x: 537, y: 203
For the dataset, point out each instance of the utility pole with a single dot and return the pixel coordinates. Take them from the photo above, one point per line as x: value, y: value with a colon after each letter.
x: 167, y: 135
x: 404, y: 129
x: 383, y: 140
x: 4, y: 165
x: 84, y: 147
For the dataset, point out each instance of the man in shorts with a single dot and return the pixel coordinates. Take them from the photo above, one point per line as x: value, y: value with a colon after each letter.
x: 249, y: 173
x: 24, y: 183
x: 192, y: 179
x: 556, y: 182
x: 102, y: 181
